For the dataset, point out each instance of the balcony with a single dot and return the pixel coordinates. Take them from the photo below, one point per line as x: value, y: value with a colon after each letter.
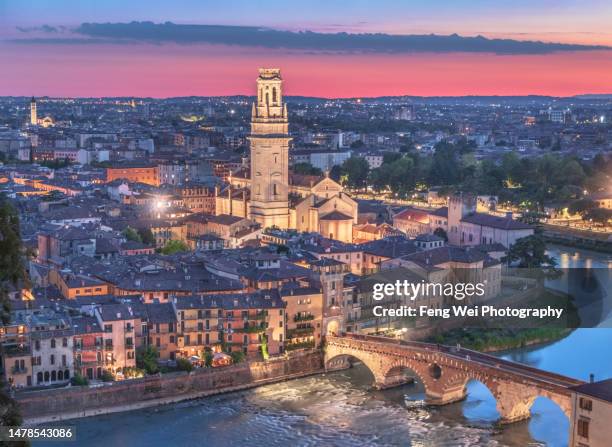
x: 300, y: 332
x: 85, y: 363
x: 250, y: 329
x: 19, y: 370
x: 304, y: 345
x: 299, y: 317
x: 16, y: 350
x: 257, y: 316
x: 88, y: 347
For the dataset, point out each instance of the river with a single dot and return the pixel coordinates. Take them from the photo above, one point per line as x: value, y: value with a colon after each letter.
x: 341, y: 409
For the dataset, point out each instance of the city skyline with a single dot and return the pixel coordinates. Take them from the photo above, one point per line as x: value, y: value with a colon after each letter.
x: 560, y: 49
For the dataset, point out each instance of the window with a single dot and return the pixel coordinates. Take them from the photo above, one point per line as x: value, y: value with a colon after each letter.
x: 52, y: 359
x: 586, y: 404
x: 583, y: 428
x: 65, y: 342
x: 53, y: 343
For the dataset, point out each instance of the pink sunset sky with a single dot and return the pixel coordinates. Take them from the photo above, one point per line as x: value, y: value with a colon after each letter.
x: 38, y: 61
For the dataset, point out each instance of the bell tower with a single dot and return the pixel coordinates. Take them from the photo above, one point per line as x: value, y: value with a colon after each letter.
x: 33, y: 117
x: 269, y: 141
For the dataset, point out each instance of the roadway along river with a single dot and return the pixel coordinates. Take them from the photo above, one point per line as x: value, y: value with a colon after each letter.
x: 340, y: 409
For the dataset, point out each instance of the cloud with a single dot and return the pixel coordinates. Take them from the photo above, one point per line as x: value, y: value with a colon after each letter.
x: 41, y: 29
x: 340, y: 42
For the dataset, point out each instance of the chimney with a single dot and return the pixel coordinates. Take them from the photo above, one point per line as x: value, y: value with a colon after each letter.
x: 591, y: 378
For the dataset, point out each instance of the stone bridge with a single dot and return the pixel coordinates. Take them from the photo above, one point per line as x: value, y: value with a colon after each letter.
x: 445, y: 371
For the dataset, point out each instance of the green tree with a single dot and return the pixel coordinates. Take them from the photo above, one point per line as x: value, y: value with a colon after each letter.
x: 146, y: 236
x: 79, y: 380
x: 306, y: 169
x: 445, y: 162
x: 208, y: 358
x: 131, y: 234
x: 335, y: 173
x: 391, y: 157
x: 12, y: 272
x: 183, y: 364
x: 146, y: 358
x: 237, y: 356
x: 440, y: 232
x: 400, y: 176
x: 174, y: 246
x: 599, y: 215
x: 356, y: 170
x: 530, y: 253
x: 581, y: 206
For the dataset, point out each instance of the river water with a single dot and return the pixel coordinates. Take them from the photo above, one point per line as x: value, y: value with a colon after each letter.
x: 341, y: 409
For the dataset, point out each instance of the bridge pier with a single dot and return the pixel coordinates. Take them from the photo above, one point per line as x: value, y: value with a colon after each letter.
x: 446, y: 396
x: 514, y: 402
x: 515, y: 414
x: 391, y: 381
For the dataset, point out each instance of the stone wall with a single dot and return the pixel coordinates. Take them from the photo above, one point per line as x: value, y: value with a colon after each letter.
x: 64, y: 403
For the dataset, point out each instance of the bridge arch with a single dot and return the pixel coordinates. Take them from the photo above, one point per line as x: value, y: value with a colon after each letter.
x: 564, y: 404
x: 342, y: 360
x: 482, y: 403
x: 539, y: 426
x: 394, y: 374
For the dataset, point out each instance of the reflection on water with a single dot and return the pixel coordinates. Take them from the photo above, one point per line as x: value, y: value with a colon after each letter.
x: 340, y: 409
x: 588, y: 278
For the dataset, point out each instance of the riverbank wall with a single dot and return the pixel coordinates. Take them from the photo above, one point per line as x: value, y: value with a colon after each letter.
x: 599, y: 242
x: 43, y: 406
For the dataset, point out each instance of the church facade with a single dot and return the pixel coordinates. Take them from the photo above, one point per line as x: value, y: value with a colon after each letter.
x: 268, y: 193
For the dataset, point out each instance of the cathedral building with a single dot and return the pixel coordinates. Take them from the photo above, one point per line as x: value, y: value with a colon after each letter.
x: 268, y: 193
